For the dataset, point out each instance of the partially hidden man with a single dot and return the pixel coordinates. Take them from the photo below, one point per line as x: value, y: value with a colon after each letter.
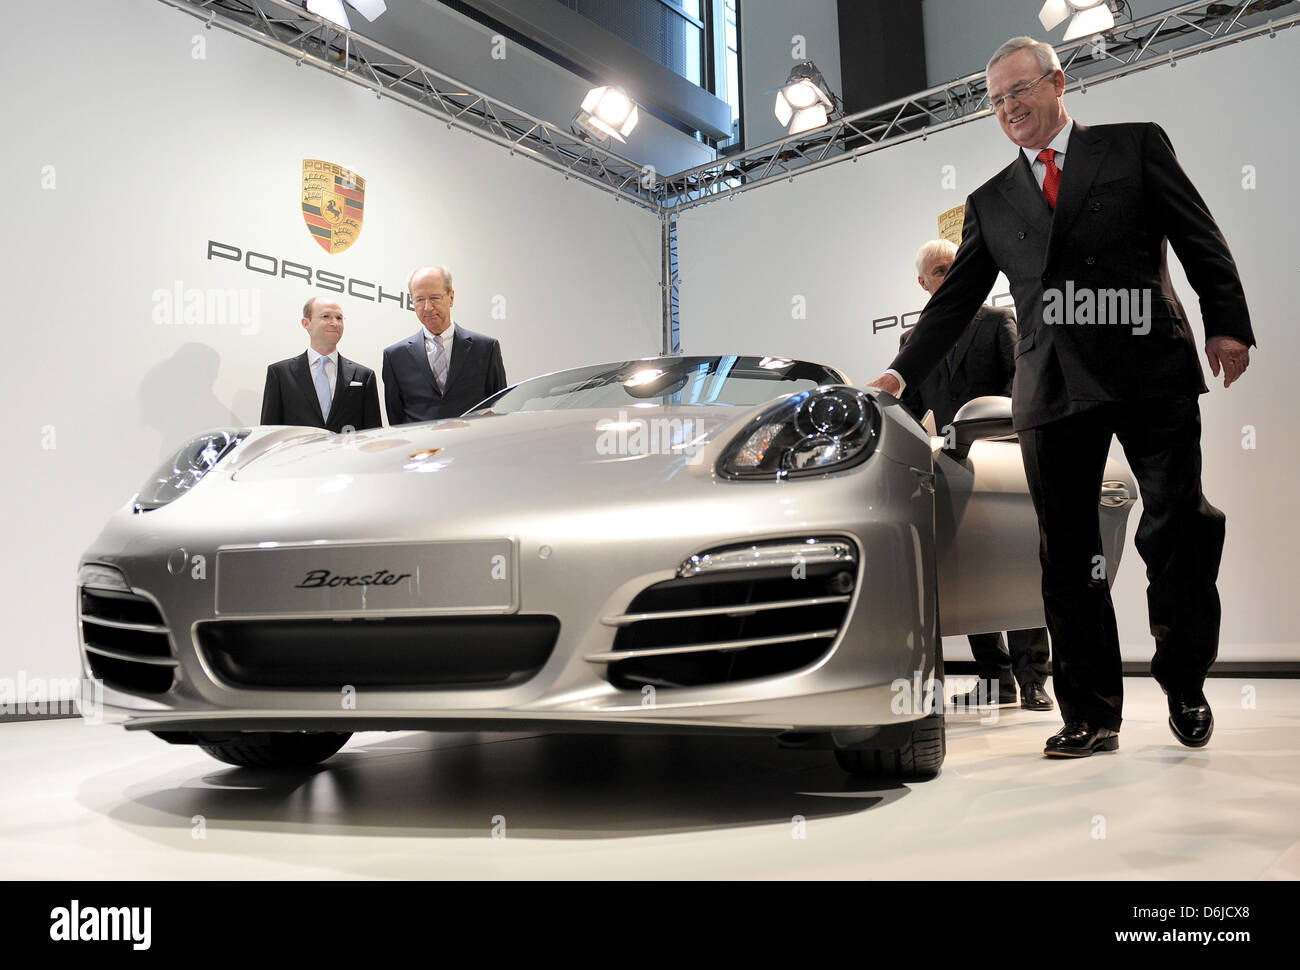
x: 981, y: 362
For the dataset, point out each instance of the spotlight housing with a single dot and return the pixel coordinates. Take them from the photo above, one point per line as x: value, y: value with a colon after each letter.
x: 607, y: 112
x: 1086, y: 16
x: 805, y: 101
x: 334, y: 12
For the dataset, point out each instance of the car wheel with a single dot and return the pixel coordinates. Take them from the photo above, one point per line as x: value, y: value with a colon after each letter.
x: 272, y: 749
x: 919, y: 756
x: 919, y: 752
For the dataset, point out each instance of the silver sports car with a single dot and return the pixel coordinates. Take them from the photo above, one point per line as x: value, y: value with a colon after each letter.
x: 698, y: 544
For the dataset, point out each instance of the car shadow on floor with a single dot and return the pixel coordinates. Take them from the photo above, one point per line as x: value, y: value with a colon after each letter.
x: 534, y: 786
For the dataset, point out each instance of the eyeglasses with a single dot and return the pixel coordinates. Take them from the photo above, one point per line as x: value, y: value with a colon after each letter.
x: 1018, y: 92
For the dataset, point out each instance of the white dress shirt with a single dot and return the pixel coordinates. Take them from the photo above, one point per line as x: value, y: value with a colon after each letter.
x: 1057, y: 144
x: 332, y: 372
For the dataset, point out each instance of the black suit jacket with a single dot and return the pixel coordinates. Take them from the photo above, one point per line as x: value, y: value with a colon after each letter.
x: 476, y: 372
x: 981, y: 362
x: 290, y: 396
x: 1123, y: 198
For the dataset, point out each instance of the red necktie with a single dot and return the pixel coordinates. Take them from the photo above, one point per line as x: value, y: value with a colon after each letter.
x: 1052, y: 180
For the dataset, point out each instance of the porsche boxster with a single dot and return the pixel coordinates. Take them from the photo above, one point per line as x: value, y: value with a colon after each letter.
x: 696, y: 544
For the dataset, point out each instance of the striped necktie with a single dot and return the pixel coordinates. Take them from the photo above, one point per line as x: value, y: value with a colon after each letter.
x: 439, y: 364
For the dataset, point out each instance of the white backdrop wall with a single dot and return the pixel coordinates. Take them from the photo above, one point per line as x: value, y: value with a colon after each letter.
x: 125, y: 153
x: 841, y: 241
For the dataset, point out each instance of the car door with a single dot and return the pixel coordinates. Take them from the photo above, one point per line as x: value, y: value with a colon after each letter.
x: 987, y: 536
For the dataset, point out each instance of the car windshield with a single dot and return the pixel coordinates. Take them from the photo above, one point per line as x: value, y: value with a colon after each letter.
x: 735, y: 381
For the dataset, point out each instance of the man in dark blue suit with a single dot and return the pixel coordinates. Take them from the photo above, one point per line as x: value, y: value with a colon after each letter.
x: 443, y: 370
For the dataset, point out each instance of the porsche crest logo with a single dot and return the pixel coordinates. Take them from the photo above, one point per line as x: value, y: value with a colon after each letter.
x: 950, y: 224
x: 332, y: 204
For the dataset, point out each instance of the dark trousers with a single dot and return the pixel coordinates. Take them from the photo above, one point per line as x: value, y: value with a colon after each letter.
x: 1180, y: 538
x: 1027, y: 660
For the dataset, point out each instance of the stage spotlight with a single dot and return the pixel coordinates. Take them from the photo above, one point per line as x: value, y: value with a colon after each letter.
x: 1086, y: 16
x: 607, y: 112
x: 332, y: 10
x: 805, y: 102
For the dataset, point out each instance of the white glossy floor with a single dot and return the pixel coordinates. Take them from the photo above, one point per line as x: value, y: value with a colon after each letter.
x: 82, y: 802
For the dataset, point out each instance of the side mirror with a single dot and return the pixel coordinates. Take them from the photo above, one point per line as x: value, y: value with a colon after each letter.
x: 980, y: 418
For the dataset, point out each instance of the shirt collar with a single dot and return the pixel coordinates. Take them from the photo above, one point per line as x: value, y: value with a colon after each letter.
x: 445, y: 336
x: 313, y: 356
x: 1057, y: 144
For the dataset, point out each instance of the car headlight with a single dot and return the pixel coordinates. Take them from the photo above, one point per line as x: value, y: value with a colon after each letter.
x: 822, y: 430
x: 186, y: 468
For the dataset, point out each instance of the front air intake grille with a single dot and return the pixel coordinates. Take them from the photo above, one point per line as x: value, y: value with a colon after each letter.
x: 128, y: 645
x: 728, y: 626
x: 397, y: 653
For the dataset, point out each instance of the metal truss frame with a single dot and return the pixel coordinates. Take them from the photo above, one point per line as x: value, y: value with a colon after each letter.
x: 669, y: 283
x: 309, y: 39
x: 1161, y: 39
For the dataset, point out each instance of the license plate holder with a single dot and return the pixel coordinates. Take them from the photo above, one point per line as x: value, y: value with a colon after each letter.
x: 356, y: 579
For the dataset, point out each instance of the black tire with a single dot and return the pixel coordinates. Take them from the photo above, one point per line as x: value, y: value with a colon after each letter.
x: 920, y: 756
x: 273, y: 749
x: 921, y: 752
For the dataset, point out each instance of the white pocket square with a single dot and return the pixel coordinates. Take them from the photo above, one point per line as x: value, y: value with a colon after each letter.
x: 355, y: 384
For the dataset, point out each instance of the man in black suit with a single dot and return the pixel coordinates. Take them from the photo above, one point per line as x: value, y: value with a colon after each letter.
x: 981, y: 362
x: 1079, y: 222
x: 320, y: 388
x: 443, y: 370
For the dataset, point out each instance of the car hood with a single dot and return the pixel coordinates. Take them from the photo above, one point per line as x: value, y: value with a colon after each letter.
x: 607, y: 445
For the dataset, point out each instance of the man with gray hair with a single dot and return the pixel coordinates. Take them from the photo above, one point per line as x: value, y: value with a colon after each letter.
x: 981, y: 362
x: 1088, y: 211
x: 444, y: 369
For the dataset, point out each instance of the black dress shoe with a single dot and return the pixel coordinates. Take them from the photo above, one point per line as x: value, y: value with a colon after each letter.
x: 1079, y: 739
x: 1190, y: 717
x: 1034, y: 698
x: 981, y: 695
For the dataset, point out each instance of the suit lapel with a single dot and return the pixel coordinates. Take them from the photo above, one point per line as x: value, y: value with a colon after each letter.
x: 416, y: 347
x: 1020, y: 188
x: 460, y: 345
x: 1084, y: 153
x: 306, y: 386
x: 346, y: 370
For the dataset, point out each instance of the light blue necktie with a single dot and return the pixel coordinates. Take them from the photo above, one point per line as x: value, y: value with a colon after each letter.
x: 439, y: 364
x: 323, y: 387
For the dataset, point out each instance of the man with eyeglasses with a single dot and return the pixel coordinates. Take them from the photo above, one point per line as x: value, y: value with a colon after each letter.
x: 444, y: 369
x: 320, y: 388
x: 1083, y: 215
